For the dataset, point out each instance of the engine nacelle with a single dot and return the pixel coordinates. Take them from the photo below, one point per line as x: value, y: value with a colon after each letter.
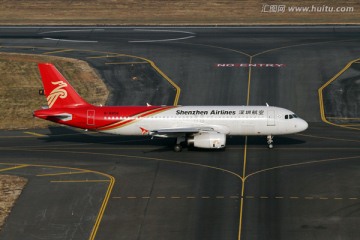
x: 207, y: 140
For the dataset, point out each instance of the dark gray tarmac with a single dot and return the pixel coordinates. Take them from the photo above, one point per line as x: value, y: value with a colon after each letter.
x: 92, y: 186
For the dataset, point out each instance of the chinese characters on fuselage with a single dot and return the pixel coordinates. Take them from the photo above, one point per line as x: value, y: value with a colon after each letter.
x: 219, y: 112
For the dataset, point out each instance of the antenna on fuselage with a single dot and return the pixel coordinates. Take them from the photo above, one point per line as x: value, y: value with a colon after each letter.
x: 267, y: 104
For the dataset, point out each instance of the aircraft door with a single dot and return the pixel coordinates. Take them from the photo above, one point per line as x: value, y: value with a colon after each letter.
x: 90, y: 117
x: 271, y: 118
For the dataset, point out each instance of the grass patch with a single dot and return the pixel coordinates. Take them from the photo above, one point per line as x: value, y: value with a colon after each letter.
x: 10, y: 190
x: 20, y: 83
x: 173, y: 12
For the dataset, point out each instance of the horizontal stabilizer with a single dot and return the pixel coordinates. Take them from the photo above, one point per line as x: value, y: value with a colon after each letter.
x: 45, y: 115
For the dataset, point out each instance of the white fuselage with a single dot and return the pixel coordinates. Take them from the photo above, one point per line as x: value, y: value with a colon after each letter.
x: 229, y: 120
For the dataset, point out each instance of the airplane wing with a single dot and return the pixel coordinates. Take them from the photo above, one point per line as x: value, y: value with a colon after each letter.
x: 182, y: 130
x: 171, y: 132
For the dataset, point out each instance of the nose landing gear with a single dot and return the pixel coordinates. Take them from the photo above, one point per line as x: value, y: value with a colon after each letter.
x: 270, y: 141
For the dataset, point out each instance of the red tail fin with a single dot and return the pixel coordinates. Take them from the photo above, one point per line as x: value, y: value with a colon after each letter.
x: 59, y: 93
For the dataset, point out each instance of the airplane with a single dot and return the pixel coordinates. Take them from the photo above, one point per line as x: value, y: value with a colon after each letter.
x: 197, y: 126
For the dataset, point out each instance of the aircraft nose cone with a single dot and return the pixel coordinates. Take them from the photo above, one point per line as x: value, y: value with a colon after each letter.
x: 300, y: 125
x: 303, y: 125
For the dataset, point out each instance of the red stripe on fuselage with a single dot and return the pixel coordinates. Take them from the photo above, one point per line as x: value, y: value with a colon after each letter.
x: 134, y: 117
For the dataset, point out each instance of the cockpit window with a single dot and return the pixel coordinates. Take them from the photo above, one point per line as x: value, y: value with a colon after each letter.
x: 291, y: 116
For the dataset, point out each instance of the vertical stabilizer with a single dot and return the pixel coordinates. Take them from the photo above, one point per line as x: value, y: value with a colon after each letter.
x: 59, y: 93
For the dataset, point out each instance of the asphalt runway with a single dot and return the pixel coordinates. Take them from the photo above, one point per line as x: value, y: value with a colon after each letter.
x: 86, y: 185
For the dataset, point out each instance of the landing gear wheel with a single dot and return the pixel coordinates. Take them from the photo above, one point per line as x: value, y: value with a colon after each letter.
x: 270, y: 141
x: 177, y: 148
x: 179, y: 140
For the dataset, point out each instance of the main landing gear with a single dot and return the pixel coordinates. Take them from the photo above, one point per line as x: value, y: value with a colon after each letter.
x: 177, y: 148
x: 179, y: 140
x: 270, y: 141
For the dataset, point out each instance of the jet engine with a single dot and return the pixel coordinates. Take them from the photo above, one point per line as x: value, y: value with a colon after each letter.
x: 207, y: 140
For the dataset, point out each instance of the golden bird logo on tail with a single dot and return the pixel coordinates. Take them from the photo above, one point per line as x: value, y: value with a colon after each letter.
x: 57, y: 92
